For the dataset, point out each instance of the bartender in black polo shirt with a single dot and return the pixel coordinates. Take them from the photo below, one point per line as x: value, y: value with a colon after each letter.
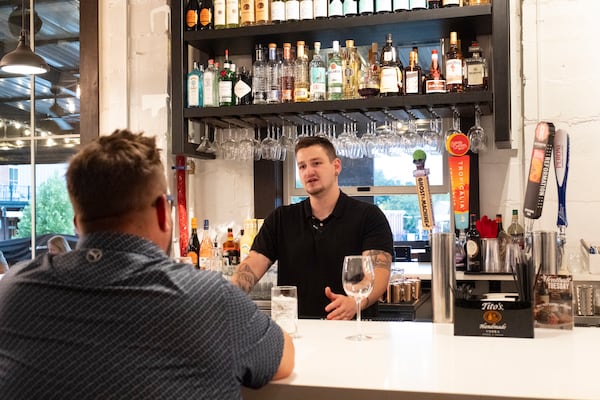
x: 310, y: 239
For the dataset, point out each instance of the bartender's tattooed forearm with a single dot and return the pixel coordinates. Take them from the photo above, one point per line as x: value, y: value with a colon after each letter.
x: 246, y: 279
x: 381, y: 259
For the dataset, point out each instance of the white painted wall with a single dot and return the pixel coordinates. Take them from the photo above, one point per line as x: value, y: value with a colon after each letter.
x: 553, y: 58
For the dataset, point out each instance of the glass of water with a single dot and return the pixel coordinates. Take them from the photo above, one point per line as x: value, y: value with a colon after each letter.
x: 284, y: 308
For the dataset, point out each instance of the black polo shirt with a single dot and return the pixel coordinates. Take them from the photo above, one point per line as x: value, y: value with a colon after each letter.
x: 310, y: 253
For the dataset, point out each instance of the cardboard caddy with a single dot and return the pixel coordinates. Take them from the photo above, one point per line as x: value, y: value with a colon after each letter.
x: 493, y: 318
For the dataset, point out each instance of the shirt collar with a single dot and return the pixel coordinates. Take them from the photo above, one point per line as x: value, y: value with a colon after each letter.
x: 337, y: 212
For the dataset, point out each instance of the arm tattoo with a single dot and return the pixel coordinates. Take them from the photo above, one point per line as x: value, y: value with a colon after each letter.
x: 381, y: 259
x: 246, y: 279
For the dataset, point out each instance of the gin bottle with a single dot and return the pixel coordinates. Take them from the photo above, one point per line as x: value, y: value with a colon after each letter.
x: 259, y: 77
x: 194, y: 86
x: 274, y: 76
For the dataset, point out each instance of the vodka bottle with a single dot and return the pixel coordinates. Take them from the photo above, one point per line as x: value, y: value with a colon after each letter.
x: 259, y: 77
x: 335, y: 75
x: 301, y: 73
x: 210, y: 86
x: 318, y: 82
x: 274, y: 76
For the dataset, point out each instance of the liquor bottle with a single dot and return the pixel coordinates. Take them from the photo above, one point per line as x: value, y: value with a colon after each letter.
x: 206, y: 248
x: 434, y: 4
x: 287, y: 75
x: 306, y: 9
x: 259, y: 77
x: 195, y: 80
x: 229, y: 249
x: 232, y: 13
x: 418, y: 4
x: 503, y: 239
x: 451, y: 3
x: 301, y: 74
x: 350, y: 8
x: 261, y: 12
x: 366, y: 7
x: 335, y: 75
x: 351, y: 70
x: 383, y: 6
x: 476, y: 69
x: 247, y: 238
x: 277, y: 11
x: 435, y: 81
x: 400, y: 5
x: 335, y: 9
x: 370, y: 84
x: 226, y: 82
x: 320, y: 9
x: 193, y: 247
x: 292, y: 10
x: 391, y: 70
x: 210, y: 85
x: 515, y: 230
x: 473, y: 247
x: 273, y: 76
x: 318, y: 81
x: 206, y: 15
x: 219, y: 14
x: 192, y: 15
x: 247, y: 16
x: 243, y: 87
x: 413, y: 75
x: 454, y: 66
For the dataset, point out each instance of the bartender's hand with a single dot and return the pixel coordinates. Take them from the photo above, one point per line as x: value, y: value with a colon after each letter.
x: 341, y: 307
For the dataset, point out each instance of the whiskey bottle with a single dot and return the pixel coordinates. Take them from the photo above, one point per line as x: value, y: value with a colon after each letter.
x: 192, y: 15
x: 273, y: 76
x: 206, y: 248
x: 193, y: 247
x: 454, y: 66
x: 206, y: 15
x: 515, y: 230
x: 476, y: 77
x: 318, y: 82
x: 229, y: 249
x: 391, y: 70
x: 287, y: 75
x: 210, y: 85
x: 435, y: 81
x: 194, y: 86
x: 220, y: 20
x: 259, y: 77
x: 301, y: 74
x: 413, y: 75
x: 277, y: 11
x: 247, y: 16
x: 473, y: 247
x: 335, y: 74
x: 261, y: 12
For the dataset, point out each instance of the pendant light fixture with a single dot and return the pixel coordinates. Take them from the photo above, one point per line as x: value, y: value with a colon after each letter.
x: 22, y: 60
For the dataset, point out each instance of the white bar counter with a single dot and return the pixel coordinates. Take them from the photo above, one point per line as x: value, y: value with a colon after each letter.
x: 417, y: 361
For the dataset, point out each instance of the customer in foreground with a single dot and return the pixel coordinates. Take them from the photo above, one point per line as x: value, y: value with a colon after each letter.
x: 117, y: 317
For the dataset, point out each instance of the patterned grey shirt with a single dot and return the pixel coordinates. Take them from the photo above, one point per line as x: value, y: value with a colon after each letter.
x: 117, y: 319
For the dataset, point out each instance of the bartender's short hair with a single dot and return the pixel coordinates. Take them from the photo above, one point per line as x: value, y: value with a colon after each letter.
x: 308, y: 141
x: 115, y: 175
